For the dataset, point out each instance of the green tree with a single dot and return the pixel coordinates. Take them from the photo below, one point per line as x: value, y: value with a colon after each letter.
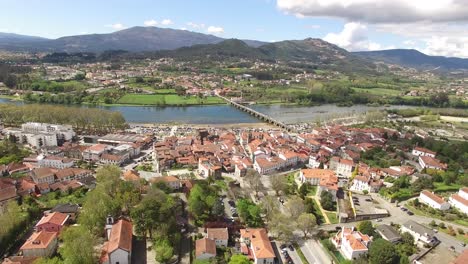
x: 295, y: 206
x: 77, y: 237
x: 239, y: 259
x: 326, y: 200
x: 306, y: 223
x: 278, y: 183
x: 164, y: 250
x: 383, y: 252
x: 366, y: 227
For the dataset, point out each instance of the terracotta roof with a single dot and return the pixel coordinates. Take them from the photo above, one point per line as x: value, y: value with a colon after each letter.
x: 433, y: 197
x: 355, y: 243
x: 8, y: 193
x: 217, y: 233
x: 464, y: 189
x: 39, y: 240
x: 460, y: 199
x: 121, y: 236
x: 43, y: 172
x: 55, y: 218
x: 259, y: 241
x: 425, y: 150
x: 205, y: 245
x: 433, y: 162
x: 317, y: 173
x: 131, y: 175
x: 19, y: 260
x: 462, y: 259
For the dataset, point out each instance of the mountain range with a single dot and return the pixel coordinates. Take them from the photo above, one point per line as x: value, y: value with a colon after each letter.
x: 179, y: 43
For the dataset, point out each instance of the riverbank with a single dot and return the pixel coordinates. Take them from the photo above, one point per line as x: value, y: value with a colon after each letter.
x: 206, y: 126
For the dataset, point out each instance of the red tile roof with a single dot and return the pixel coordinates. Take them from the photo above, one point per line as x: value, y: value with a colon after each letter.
x: 53, y: 218
x: 121, y: 236
x: 39, y: 240
x: 205, y: 245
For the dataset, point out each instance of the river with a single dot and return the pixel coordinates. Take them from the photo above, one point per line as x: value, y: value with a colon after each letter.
x: 225, y: 114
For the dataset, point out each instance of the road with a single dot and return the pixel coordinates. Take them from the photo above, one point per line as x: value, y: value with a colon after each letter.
x: 314, y: 252
x: 399, y: 217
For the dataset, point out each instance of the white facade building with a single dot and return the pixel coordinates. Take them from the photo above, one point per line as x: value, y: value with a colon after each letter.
x: 460, y: 200
x: 433, y: 200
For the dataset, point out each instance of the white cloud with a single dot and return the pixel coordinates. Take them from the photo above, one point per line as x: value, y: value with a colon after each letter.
x: 150, y: 23
x: 167, y: 22
x: 116, y: 26
x: 380, y: 11
x: 447, y: 46
x: 215, y: 30
x: 353, y: 37
x: 196, y: 25
x: 312, y: 26
x: 183, y: 28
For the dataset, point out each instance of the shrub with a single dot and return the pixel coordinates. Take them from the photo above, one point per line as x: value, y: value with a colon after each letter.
x: 460, y: 231
x: 442, y: 225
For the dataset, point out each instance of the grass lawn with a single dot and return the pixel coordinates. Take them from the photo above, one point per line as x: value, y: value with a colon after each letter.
x: 167, y: 99
x: 312, y: 190
x: 51, y: 199
x: 442, y: 187
x: 462, y: 222
x: 332, y: 217
x: 378, y: 91
x: 165, y: 91
x: 336, y: 255
x: 463, y: 238
x: 318, y: 213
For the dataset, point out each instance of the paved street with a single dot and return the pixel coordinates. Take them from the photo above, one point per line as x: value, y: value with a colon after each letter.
x: 314, y: 252
x: 399, y: 217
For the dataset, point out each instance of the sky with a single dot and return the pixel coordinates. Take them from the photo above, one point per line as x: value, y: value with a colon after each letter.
x: 435, y: 27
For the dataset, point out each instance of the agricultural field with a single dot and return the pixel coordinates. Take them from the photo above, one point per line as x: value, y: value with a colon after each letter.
x: 379, y: 91
x: 167, y: 99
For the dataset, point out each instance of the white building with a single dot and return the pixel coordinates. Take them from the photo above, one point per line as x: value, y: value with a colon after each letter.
x: 460, y: 200
x: 342, y: 167
x: 433, y: 200
x: 255, y: 243
x: 352, y: 244
x: 427, y: 162
x: 219, y: 235
x: 42, y: 135
x: 55, y: 162
x: 419, y: 232
x: 118, y: 248
x: 363, y: 183
x: 418, y: 151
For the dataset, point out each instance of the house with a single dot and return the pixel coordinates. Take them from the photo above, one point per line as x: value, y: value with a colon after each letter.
x: 94, y: 152
x: 19, y: 260
x: 219, y: 235
x: 433, y: 200
x: 388, y: 233
x: 40, y: 244
x: 118, y: 248
x: 325, y: 179
x: 419, y: 232
x: 43, y: 175
x: 363, y: 183
x: 342, y: 167
x: 8, y: 191
x: 460, y: 200
x: 52, y: 222
x: 55, y: 162
x: 113, y: 159
x: 462, y: 258
x: 172, y: 181
x: 431, y: 163
x: 205, y: 248
x: 351, y: 243
x: 419, y: 151
x: 70, y: 209
x: 258, y: 245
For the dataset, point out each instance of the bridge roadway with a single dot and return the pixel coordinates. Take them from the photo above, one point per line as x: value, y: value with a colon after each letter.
x: 261, y: 116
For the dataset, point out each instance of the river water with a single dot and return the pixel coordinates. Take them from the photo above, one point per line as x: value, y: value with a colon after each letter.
x: 225, y: 114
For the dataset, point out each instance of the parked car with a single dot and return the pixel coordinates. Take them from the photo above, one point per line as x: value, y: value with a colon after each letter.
x: 462, y: 244
x: 283, y: 246
x: 410, y: 213
x: 291, y: 247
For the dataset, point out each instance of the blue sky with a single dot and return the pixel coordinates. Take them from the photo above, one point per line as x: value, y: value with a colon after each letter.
x: 267, y: 20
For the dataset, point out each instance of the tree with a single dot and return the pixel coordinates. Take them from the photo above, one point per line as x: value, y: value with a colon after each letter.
x: 366, y: 227
x: 218, y: 209
x: 164, y: 250
x: 326, y: 200
x: 270, y: 207
x: 254, y: 180
x: 295, y: 207
x: 382, y: 252
x: 239, y: 259
x: 407, y: 238
x: 278, y: 183
x: 283, y: 227
x: 306, y: 223
x: 77, y: 237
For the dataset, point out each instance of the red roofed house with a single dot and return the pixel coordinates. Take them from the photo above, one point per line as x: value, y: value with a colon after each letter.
x: 433, y: 200
x: 352, y: 244
x: 460, y: 200
x: 52, y: 222
x: 118, y: 248
x: 325, y: 179
x: 205, y: 248
x: 431, y: 163
x: 258, y: 244
x: 219, y: 235
x: 19, y: 260
x: 40, y: 244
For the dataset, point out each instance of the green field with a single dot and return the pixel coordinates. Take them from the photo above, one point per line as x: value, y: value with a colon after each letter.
x: 167, y: 99
x: 378, y: 91
x: 332, y: 217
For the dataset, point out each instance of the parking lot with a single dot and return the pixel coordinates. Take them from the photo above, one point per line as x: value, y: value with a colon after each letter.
x: 286, y: 253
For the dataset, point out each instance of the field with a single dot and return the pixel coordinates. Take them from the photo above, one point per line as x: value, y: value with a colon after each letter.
x: 167, y: 99
x: 378, y: 91
x: 332, y: 217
